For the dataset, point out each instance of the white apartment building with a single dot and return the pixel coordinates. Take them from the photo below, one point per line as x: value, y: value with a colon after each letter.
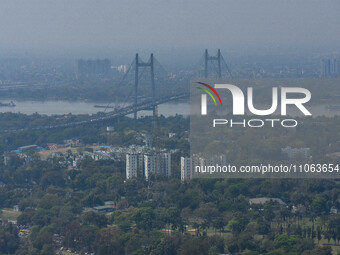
x: 161, y: 166
x: 149, y: 165
x: 166, y: 164
x: 294, y: 152
x: 131, y: 166
x: 185, y: 169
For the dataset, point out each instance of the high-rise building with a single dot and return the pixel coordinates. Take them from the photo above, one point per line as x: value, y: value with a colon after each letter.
x: 160, y: 166
x: 195, y: 161
x: 330, y: 68
x: 92, y: 68
x: 336, y: 67
x: 134, y: 166
x: 145, y: 165
x: 219, y: 159
x: 166, y: 164
x: 7, y: 158
x: 185, y: 169
x: 131, y: 166
x: 122, y: 68
x: 149, y: 165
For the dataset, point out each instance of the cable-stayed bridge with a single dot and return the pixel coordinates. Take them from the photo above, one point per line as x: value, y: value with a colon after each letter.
x: 144, y: 74
x: 143, y: 105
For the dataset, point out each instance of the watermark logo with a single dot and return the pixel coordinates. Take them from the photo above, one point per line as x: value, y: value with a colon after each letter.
x: 239, y: 99
x: 288, y: 96
x: 204, y: 97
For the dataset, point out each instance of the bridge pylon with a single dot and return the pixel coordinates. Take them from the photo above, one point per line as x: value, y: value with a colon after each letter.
x: 149, y: 64
x: 210, y: 61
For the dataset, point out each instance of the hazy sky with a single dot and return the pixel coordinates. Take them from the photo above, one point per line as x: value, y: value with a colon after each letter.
x: 130, y: 25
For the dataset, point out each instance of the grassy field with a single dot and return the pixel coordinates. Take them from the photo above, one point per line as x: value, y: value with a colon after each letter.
x: 45, y: 154
x: 304, y: 222
x: 324, y: 242
x: 9, y: 214
x: 68, y: 253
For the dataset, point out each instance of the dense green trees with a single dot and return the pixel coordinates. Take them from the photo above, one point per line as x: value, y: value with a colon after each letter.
x: 163, y: 216
x: 9, y: 240
x: 157, y: 216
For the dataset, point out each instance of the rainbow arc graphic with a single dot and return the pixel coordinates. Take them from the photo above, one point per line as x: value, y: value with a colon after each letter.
x: 209, y: 93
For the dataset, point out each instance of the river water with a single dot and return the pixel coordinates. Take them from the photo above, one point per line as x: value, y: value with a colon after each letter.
x: 82, y: 107
x: 53, y: 107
